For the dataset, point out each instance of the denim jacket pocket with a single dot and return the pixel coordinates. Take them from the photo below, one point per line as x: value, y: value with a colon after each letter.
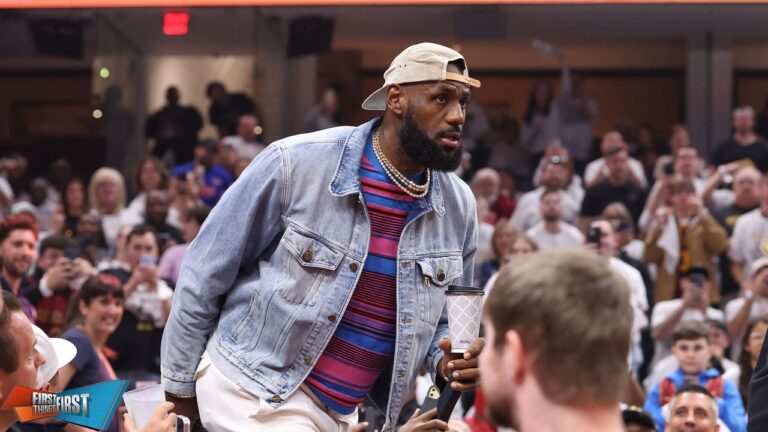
x: 436, y: 274
x: 309, y: 265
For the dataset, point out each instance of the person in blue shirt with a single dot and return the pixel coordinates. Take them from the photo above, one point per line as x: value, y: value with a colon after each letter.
x: 691, y: 348
x: 211, y: 180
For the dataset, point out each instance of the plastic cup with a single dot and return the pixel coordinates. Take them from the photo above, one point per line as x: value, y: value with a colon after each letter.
x: 142, y: 403
x: 465, y: 304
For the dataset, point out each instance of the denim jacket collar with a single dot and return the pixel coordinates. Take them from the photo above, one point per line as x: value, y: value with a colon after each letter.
x: 346, y: 180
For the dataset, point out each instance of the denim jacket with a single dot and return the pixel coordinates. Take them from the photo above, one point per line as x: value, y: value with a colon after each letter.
x: 264, y: 285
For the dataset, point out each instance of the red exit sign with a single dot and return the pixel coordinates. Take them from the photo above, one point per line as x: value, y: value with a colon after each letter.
x: 175, y: 23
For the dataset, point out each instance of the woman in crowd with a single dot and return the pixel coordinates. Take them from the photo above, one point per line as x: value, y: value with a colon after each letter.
x: 106, y: 193
x: 75, y: 205
x: 523, y: 245
x: 752, y: 343
x: 94, y: 314
x: 503, y: 235
x: 151, y: 175
x: 541, y: 122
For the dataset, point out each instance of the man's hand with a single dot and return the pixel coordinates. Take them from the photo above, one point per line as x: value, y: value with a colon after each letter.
x: 60, y: 274
x: 82, y: 267
x: 162, y: 421
x: 462, y: 368
x: 184, y: 406
x: 147, y: 275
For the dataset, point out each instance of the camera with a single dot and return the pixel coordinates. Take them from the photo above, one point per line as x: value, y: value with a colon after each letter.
x: 668, y: 168
x: 594, y: 235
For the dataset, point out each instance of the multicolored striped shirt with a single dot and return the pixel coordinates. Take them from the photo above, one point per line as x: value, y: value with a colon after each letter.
x: 364, y: 343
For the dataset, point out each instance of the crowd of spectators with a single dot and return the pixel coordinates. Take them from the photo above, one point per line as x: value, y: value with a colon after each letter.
x: 94, y: 260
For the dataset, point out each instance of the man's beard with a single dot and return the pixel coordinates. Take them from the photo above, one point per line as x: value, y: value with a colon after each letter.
x: 12, y: 268
x: 551, y: 217
x: 422, y: 150
x: 501, y: 413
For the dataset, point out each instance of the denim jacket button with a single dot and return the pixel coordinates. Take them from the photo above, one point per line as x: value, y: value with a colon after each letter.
x: 332, y: 318
x: 353, y: 267
x: 440, y: 275
x: 307, y: 255
x: 405, y: 264
x: 401, y: 374
x: 307, y: 360
x: 276, y: 399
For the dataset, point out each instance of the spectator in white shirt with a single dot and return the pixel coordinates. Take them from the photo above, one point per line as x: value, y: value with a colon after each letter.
x: 554, y: 176
x: 245, y: 143
x: 552, y: 232
x: 597, y: 170
x: 607, y: 248
x: 749, y: 241
x: 751, y: 307
x: 692, y: 306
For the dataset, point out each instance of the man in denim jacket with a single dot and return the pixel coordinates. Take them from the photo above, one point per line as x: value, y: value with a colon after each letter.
x: 319, y: 277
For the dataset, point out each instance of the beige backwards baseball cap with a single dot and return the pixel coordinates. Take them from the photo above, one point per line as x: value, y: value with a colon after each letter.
x: 421, y: 62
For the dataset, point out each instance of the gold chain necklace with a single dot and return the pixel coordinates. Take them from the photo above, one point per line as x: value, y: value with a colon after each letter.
x: 405, y: 184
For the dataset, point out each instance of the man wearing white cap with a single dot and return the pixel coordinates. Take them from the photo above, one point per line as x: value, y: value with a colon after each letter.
x: 57, y: 353
x: 749, y: 308
x: 319, y: 278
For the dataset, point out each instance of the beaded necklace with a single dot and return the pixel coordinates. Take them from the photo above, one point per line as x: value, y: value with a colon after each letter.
x: 404, y: 183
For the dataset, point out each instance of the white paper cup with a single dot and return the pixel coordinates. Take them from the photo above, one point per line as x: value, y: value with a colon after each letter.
x: 465, y: 304
x: 142, y: 403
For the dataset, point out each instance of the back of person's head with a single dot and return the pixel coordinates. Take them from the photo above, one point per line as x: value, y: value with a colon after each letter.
x: 558, y: 303
x: 103, y: 284
x: 21, y: 221
x: 9, y: 347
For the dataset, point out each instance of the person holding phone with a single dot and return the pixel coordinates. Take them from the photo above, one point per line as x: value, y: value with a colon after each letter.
x: 147, y: 304
x: 602, y: 239
x: 682, y: 236
x: 693, y: 305
x: 60, y: 271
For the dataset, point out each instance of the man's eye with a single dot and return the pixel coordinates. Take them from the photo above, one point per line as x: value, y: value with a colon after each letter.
x: 441, y: 98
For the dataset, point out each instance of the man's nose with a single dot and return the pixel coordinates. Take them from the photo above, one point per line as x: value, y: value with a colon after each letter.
x: 456, y: 114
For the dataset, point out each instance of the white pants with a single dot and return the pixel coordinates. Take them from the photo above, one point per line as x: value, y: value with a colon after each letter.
x: 226, y: 407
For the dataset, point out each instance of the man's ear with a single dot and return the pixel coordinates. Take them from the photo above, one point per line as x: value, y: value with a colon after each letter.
x: 397, y: 100
x: 514, y: 358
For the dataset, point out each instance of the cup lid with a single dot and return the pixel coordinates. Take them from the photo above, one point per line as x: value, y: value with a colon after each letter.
x: 463, y: 290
